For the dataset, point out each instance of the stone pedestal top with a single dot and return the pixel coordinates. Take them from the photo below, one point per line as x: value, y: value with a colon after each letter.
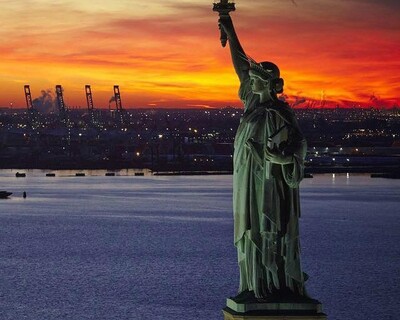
x: 270, y: 315
x: 241, y: 307
x: 290, y: 308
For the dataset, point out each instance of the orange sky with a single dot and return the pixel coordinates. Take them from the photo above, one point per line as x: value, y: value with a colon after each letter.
x: 167, y: 53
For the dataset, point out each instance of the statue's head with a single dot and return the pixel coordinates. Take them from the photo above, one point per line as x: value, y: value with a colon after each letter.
x: 269, y: 74
x: 264, y: 78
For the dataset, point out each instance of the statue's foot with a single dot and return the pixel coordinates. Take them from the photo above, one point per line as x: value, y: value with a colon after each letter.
x: 285, y: 295
x: 244, y: 296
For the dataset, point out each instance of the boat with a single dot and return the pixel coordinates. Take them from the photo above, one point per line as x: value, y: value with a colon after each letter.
x: 5, y: 194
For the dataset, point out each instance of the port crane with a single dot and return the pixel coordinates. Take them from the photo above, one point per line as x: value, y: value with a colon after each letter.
x: 60, y: 101
x: 117, y: 96
x: 62, y: 108
x: 118, y: 104
x: 90, y: 104
x: 33, y: 121
x: 28, y: 97
x: 89, y: 98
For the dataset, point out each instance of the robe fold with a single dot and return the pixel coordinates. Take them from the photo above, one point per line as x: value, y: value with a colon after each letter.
x: 266, y: 197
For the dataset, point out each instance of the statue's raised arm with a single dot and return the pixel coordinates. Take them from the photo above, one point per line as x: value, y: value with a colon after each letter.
x: 239, y: 59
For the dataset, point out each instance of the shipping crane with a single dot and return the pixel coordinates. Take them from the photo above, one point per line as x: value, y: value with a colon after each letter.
x: 63, y: 112
x: 32, y: 112
x: 118, y: 104
x: 28, y: 97
x: 90, y: 104
x: 117, y: 96
x: 60, y: 100
x: 89, y: 98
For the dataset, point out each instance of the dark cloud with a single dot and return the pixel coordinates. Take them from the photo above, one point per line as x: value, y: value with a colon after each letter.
x: 163, y: 84
x: 376, y: 101
x: 395, y: 4
x: 174, y: 27
x: 196, y: 9
x: 298, y: 101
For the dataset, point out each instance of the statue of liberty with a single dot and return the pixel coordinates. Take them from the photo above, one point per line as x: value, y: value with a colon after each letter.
x: 269, y: 152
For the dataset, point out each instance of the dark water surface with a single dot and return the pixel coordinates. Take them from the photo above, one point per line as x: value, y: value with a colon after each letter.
x: 129, y: 247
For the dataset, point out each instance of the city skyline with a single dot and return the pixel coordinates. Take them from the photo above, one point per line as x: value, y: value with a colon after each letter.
x: 167, y: 53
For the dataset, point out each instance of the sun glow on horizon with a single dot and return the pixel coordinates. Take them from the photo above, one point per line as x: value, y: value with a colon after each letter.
x: 168, y: 54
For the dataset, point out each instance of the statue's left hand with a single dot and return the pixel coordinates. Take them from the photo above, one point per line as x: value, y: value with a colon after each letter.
x: 277, y: 157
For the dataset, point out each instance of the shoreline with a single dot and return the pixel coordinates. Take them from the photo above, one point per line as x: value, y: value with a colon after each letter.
x: 374, y: 171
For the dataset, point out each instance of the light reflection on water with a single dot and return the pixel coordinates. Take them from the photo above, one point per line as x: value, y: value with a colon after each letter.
x: 121, y: 247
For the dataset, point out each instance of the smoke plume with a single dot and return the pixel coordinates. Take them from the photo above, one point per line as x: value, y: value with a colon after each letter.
x: 45, y: 103
x: 373, y: 98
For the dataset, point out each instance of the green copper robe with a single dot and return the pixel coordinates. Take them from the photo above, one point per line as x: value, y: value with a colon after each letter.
x: 266, y: 197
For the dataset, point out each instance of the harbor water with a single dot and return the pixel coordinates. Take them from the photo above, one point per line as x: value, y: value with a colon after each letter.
x: 161, y: 247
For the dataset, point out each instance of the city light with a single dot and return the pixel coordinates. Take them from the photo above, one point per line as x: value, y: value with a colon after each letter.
x: 184, y: 137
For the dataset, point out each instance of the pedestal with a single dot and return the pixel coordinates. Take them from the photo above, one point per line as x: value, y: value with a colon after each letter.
x: 232, y: 315
x: 309, y: 309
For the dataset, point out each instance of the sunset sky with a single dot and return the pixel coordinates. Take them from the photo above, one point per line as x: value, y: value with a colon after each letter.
x: 166, y: 53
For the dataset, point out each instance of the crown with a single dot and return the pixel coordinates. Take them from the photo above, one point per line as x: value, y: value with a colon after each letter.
x: 258, y: 68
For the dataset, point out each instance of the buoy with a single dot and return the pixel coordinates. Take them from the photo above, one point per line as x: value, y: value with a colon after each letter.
x: 24, y: 194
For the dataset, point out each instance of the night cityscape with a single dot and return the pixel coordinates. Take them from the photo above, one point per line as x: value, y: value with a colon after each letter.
x: 184, y: 140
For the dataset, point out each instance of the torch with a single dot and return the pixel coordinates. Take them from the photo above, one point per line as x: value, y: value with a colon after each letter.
x: 223, y: 7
